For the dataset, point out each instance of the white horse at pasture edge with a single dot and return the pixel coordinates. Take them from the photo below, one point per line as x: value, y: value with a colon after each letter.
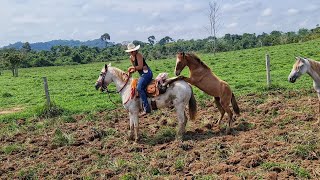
x: 305, y: 65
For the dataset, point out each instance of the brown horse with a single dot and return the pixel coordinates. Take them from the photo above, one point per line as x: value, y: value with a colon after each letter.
x: 202, y: 77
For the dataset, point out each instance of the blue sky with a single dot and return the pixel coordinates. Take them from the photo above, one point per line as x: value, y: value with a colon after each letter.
x: 127, y: 20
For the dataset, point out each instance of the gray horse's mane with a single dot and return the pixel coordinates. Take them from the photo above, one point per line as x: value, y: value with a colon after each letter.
x: 315, y: 65
x: 119, y: 73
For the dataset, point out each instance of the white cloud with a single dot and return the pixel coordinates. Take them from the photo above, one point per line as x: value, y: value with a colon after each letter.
x: 303, y: 23
x: 266, y: 12
x: 136, y: 20
x: 261, y: 23
x: 191, y: 7
x: 32, y: 19
x: 292, y: 11
x: 227, y: 7
x: 232, y: 25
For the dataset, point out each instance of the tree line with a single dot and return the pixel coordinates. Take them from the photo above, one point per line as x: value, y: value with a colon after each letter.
x: 152, y: 49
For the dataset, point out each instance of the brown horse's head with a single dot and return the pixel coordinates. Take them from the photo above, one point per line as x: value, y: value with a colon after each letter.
x: 181, y: 62
x: 300, y: 67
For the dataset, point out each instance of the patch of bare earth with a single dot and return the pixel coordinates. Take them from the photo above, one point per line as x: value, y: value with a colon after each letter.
x: 12, y: 110
x: 274, y: 138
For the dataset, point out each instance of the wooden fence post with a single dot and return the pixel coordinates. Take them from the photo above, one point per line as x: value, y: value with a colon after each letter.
x: 46, y: 89
x: 268, y: 70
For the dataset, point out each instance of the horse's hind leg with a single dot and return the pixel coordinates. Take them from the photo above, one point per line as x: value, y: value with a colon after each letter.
x: 134, y: 126
x: 182, y: 121
x: 318, y: 121
x: 222, y: 111
x: 131, y: 126
x: 225, y: 104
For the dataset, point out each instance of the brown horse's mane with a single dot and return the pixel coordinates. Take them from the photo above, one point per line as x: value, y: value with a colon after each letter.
x: 315, y: 65
x: 197, y: 59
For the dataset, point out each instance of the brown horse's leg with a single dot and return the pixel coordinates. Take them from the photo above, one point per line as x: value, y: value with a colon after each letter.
x: 225, y: 101
x: 222, y: 111
x: 172, y: 80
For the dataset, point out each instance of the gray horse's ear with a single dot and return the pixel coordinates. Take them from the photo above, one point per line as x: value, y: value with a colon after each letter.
x: 106, y: 66
x: 304, y: 59
x: 297, y: 58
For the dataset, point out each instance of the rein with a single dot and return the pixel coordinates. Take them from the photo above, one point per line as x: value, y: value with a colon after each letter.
x: 128, y: 75
x: 104, y: 86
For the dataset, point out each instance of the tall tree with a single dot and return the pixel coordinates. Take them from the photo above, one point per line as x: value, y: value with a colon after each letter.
x: 213, y: 16
x: 165, y: 40
x: 13, y: 59
x: 151, y: 40
x: 105, y: 37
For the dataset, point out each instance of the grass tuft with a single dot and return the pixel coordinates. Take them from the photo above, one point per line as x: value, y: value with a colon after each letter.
x: 49, y: 111
x: 163, y: 136
x: 61, y: 139
x: 6, y: 95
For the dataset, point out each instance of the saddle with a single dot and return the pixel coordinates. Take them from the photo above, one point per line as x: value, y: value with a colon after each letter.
x: 153, y: 89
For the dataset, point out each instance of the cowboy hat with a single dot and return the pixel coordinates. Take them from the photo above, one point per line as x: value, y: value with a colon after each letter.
x: 131, y: 47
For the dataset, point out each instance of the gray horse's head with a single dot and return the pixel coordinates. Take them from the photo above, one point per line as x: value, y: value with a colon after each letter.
x: 300, y: 67
x: 104, y: 78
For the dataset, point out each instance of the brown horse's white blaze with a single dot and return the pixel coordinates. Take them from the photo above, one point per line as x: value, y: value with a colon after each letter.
x: 202, y: 77
x: 311, y: 67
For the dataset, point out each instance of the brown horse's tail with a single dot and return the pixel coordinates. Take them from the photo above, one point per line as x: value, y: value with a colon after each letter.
x: 192, y: 106
x: 235, y: 105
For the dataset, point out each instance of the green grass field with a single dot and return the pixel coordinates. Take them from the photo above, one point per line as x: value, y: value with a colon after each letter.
x: 72, y: 87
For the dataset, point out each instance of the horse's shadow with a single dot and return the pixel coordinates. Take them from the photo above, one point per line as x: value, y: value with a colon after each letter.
x: 195, y: 135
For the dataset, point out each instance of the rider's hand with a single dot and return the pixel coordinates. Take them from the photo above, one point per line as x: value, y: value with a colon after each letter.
x: 131, y: 69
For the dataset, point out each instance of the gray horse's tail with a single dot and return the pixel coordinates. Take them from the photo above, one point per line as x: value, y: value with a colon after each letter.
x: 235, y: 105
x: 192, y: 106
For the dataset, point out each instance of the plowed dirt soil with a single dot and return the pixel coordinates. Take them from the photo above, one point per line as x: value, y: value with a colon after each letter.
x: 273, y: 138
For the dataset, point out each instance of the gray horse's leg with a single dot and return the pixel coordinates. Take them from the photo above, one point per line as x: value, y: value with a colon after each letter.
x: 318, y: 121
x: 134, y: 125
x: 131, y: 117
x: 181, y: 121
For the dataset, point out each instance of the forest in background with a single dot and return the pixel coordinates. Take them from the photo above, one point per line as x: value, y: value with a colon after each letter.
x: 13, y: 58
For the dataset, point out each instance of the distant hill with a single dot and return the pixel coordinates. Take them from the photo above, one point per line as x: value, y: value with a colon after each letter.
x: 72, y: 43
